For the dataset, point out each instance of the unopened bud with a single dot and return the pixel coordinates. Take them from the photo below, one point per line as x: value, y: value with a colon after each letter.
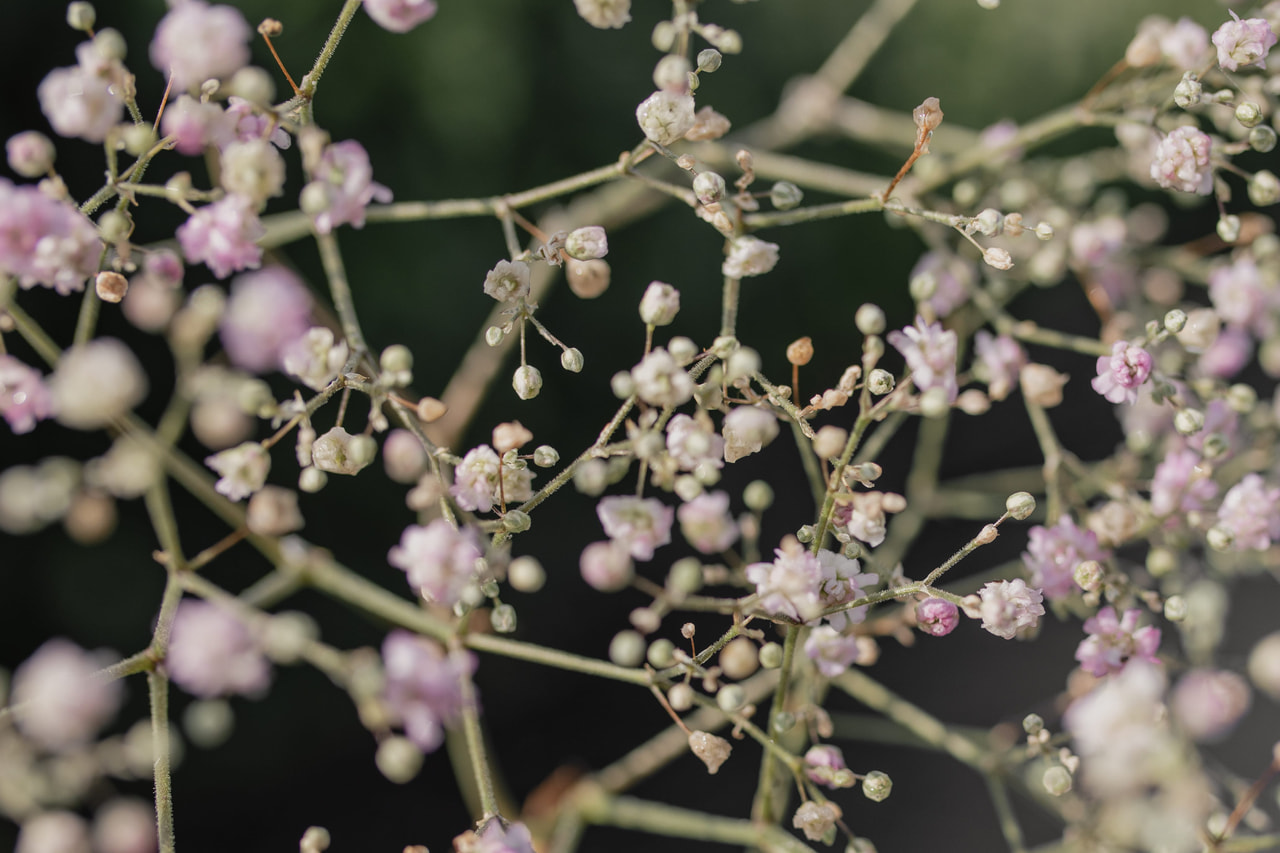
x: 876, y: 786
x: 800, y: 352
x: 785, y: 195
x: 430, y: 410
x: 880, y: 382
x: 571, y: 360
x: 870, y: 319
x: 527, y: 382
x: 110, y: 286
x: 1020, y: 505
x: 1264, y: 188
x: 1249, y: 114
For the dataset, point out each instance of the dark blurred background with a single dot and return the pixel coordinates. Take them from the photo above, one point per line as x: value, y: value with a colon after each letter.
x: 498, y: 96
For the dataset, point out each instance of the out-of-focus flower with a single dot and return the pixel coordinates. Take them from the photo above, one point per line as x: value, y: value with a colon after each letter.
x: 63, y: 703
x: 211, y: 653
x: 423, y: 686
x: 439, y: 561
x: 930, y: 353
x: 196, y: 42
x: 342, y: 186
x: 639, y: 524
x: 1112, y: 642
x: 400, y: 16
x: 223, y: 236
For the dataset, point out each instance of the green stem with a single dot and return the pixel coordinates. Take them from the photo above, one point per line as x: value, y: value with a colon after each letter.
x: 475, y: 743
x: 307, y: 89
x: 764, y: 808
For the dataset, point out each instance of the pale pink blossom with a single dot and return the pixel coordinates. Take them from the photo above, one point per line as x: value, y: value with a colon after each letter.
x: 639, y: 524
x: 80, y: 104
x: 342, y: 186
x: 496, y: 838
x: 1010, y: 608
x: 54, y: 831
x: 440, y: 562
x: 314, y: 357
x: 424, y: 685
x: 706, y: 524
x: 604, y: 14
x: 45, y: 242
x: 30, y: 153
x: 999, y: 362
x: 194, y: 125
x: 661, y: 381
x: 1181, y: 161
x: 1182, y: 483
x: 24, y: 397
x: 267, y: 311
x: 1113, y: 642
x: 746, y: 430
x: 1243, y: 43
x: 224, y: 236
x: 821, y: 763
x: 211, y: 653
x: 937, y: 616
x: 95, y: 383
x: 1241, y: 295
x: 246, y: 122
x: 1250, y: 512
x: 606, y: 565
x: 242, y: 469
x: 196, y: 42
x: 1208, y: 703
x: 693, y: 444
x: 475, y: 481
x: 63, y: 703
x: 791, y: 585
x: 1054, y: 552
x: 930, y: 353
x: 1121, y: 374
x: 951, y: 277
x: 831, y: 651
x: 843, y: 582
x: 400, y: 16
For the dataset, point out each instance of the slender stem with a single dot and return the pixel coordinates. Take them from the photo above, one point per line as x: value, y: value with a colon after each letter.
x: 312, y: 79
x: 475, y: 741
x: 765, y: 808
x: 340, y: 290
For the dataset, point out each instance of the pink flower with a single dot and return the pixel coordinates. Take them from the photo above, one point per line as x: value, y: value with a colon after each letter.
x: 1241, y: 296
x: 1250, y: 512
x: 495, y: 838
x: 822, y: 762
x: 223, y: 236
x: 693, y: 444
x: 639, y: 525
x: 1182, y: 483
x: 930, y: 352
x: 1054, y: 552
x: 1120, y: 375
x: 439, y: 561
x: 1010, y: 608
x: 1243, y: 42
x: 606, y: 566
x: 24, y: 398
x: 80, y: 104
x: 267, y: 311
x: 1181, y: 161
x: 1209, y: 702
x: 65, y: 703
x: 46, y: 242
x: 843, y: 581
x: 1227, y: 355
x: 247, y: 122
x: 194, y: 125
x: 195, y: 42
x: 400, y: 16
x: 831, y: 651
x: 1112, y: 642
x: 999, y: 361
x: 791, y: 585
x: 937, y: 616
x: 342, y: 186
x: 211, y: 653
x: 423, y: 689
x: 706, y: 524
x: 952, y: 278
x: 475, y: 481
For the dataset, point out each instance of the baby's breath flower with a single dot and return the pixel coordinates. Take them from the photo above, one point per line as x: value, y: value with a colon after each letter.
x: 604, y: 14
x: 508, y: 281
x: 400, y: 16
x: 749, y: 256
x: 1243, y: 43
x: 1181, y: 161
x: 243, y: 469
x: 665, y: 116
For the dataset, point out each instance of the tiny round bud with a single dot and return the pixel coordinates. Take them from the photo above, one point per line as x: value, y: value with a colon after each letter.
x: 503, y: 619
x: 1262, y: 139
x: 783, y: 721
x: 1057, y: 781
x: 494, y: 335
x: 829, y: 441
x: 1033, y: 724
x: 1161, y: 561
x: 1220, y: 538
x: 516, y: 521
x: 1248, y: 114
x: 870, y: 319
x: 1229, y: 228
x: 138, y: 139
x: 680, y: 697
x: 688, y: 630
x: 937, y: 616
x: 682, y: 350
x: 758, y: 496
x: 672, y: 73
x: 587, y: 279
x: 622, y: 385
x: 587, y: 244
x: 81, y: 16
x: 725, y: 346
x: 1044, y: 231
x: 1175, y: 608
x: 545, y: 456
x: 730, y: 698
x: 110, y: 286
x: 998, y: 258
x: 1088, y: 575
x: 661, y: 653
x: 1188, y: 421
x: 1020, y: 505
x: 739, y: 659
x: 880, y: 382
x: 771, y: 656
x: 1264, y: 188
x: 646, y: 620
x: 525, y: 574
x: 709, y: 187
x: 30, y: 153
x: 627, y: 648
x: 396, y: 358
x: 314, y: 840
x: 430, y: 410
x: 1188, y: 91
x: 709, y: 60
x: 115, y: 226
x: 934, y: 403
x: 664, y: 36
x: 728, y: 41
x: 571, y: 360
x: 527, y: 382
x: 805, y: 534
x: 988, y: 534
x: 988, y: 223
x: 1176, y: 320
x: 785, y: 195
x: 312, y: 479
x: 800, y: 351
x: 399, y: 759
x: 684, y: 577
x: 876, y: 786
x: 660, y: 304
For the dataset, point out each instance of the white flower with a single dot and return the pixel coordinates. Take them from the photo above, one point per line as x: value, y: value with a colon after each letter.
x: 315, y: 358
x: 660, y: 381
x: 243, y: 469
x: 749, y: 256
x: 746, y: 430
x: 665, y: 116
x: 508, y: 281
x: 604, y: 14
x: 96, y: 382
